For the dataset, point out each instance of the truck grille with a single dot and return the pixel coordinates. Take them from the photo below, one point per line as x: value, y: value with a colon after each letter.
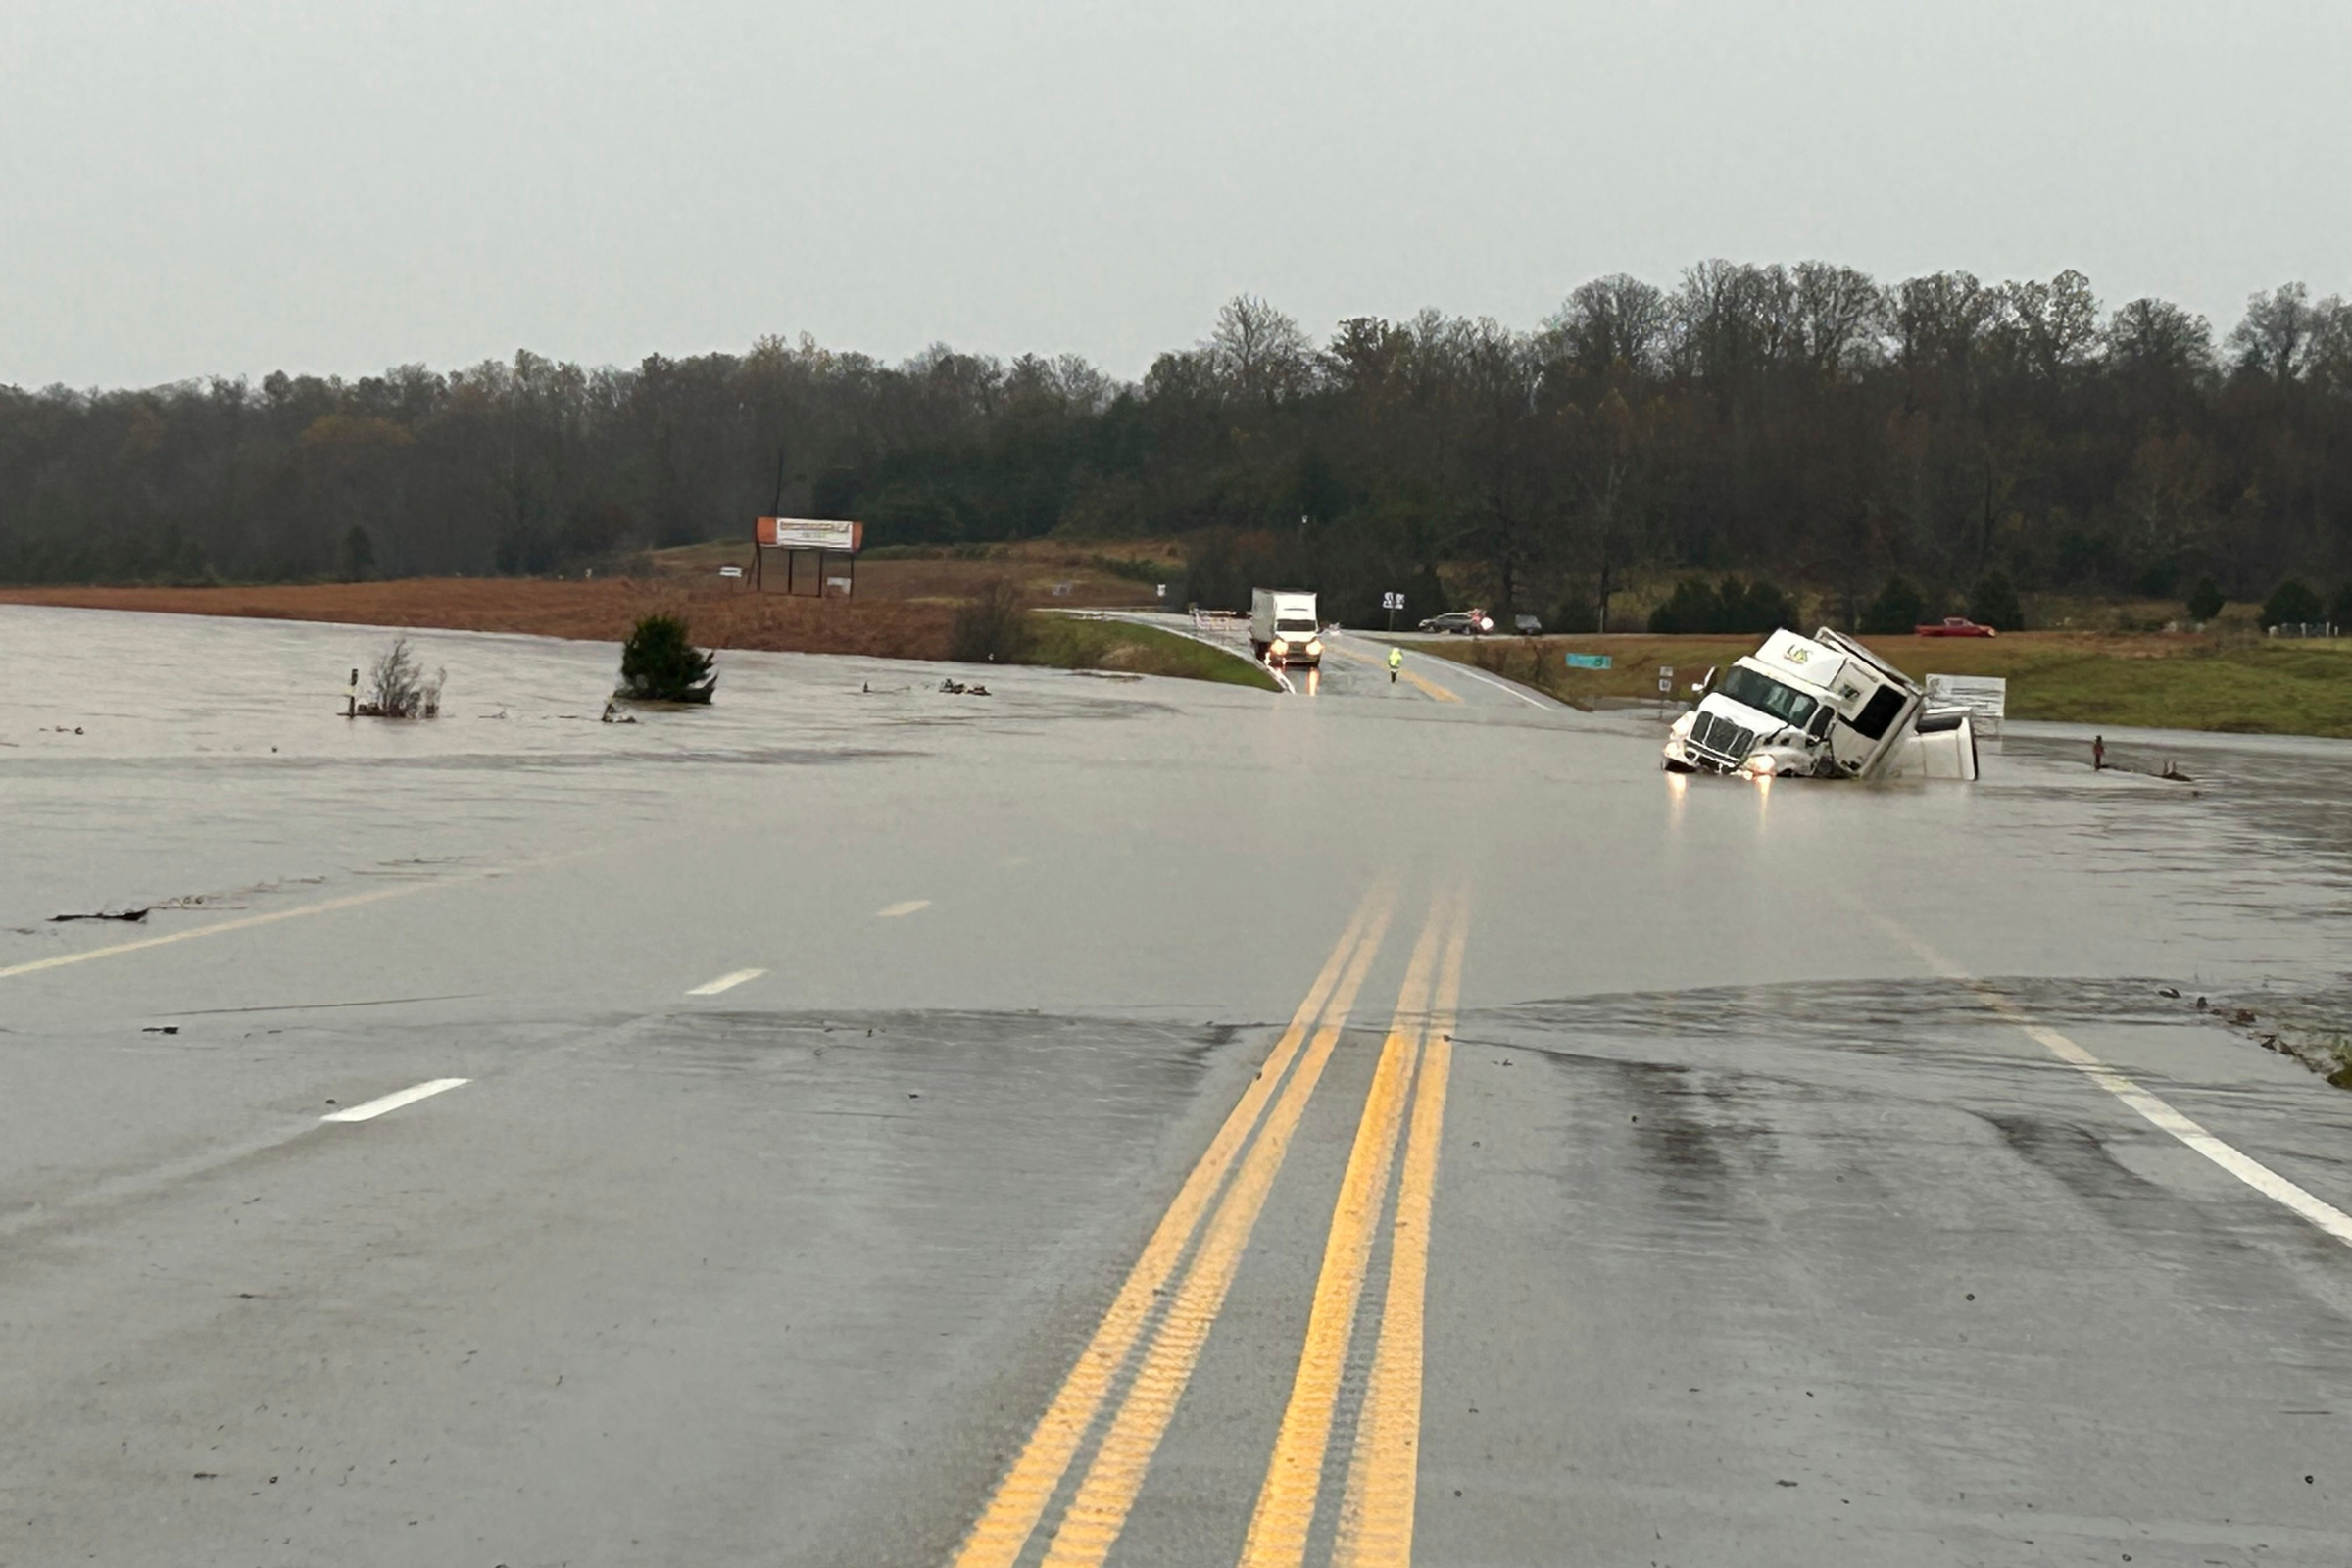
x: 1715, y: 734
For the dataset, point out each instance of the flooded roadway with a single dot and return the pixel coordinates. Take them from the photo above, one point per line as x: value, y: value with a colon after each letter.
x: 1137, y: 1122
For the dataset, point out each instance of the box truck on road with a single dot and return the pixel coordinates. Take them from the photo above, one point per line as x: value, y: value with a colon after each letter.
x: 1283, y: 629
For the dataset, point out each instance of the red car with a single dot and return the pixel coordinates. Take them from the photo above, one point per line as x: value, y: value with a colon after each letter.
x: 1956, y: 626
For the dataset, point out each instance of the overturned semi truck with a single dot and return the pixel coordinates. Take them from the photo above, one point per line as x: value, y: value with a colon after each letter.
x: 1821, y: 706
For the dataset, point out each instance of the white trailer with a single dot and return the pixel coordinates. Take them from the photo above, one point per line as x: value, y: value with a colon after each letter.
x: 1283, y: 629
x: 1822, y: 706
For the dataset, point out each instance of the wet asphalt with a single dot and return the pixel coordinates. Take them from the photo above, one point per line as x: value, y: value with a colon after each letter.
x: 1766, y: 1225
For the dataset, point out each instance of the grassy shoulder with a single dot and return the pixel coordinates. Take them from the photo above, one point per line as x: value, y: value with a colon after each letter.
x: 1068, y: 643
x: 2164, y: 681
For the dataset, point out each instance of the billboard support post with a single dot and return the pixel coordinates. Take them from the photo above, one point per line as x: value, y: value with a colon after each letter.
x: 820, y: 538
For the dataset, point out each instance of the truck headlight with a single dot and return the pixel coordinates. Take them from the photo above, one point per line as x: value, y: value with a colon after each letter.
x: 1279, y: 645
x: 1316, y: 648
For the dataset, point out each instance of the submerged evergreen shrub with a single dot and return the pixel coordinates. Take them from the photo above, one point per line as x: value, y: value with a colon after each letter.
x: 660, y: 664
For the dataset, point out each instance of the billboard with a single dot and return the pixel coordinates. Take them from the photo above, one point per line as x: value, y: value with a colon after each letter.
x: 809, y: 533
x: 1984, y: 695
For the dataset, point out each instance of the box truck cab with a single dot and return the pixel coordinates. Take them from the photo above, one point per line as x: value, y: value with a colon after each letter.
x: 1824, y: 706
x: 1283, y: 629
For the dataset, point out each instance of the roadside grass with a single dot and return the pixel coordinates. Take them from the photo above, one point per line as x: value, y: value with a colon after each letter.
x: 1068, y: 643
x: 2152, y: 680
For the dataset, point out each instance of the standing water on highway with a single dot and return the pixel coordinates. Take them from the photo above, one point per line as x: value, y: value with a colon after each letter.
x: 866, y: 1123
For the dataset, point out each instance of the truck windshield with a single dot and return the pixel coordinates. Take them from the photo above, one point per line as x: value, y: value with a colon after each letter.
x: 1784, y: 703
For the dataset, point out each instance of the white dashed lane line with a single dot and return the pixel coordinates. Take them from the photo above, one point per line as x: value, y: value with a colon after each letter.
x: 726, y: 982
x: 896, y: 909
x: 406, y: 1097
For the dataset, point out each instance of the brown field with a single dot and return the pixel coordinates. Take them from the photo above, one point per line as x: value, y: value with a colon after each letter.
x: 903, y: 608
x: 601, y: 610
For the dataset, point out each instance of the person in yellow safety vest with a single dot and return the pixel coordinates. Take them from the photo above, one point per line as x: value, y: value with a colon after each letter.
x: 1395, y: 664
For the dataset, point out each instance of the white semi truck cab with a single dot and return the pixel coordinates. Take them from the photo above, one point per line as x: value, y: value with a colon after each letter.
x: 1283, y: 629
x: 1822, y: 706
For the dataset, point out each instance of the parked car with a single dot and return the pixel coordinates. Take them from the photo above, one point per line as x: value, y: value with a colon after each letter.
x: 1462, y: 622
x: 1527, y: 625
x: 1956, y: 626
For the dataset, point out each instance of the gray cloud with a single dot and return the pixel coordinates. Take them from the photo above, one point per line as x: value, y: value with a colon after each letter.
x: 243, y: 186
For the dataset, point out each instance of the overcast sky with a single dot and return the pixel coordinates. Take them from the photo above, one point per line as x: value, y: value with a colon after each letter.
x: 234, y: 188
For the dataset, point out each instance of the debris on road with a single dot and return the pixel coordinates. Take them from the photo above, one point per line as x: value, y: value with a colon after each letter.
x: 134, y: 916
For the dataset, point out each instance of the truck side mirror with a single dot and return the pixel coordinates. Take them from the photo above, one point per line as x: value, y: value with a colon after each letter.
x: 1823, y: 718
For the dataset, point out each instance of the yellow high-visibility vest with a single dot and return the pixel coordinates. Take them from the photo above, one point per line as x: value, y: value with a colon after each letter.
x: 1395, y: 657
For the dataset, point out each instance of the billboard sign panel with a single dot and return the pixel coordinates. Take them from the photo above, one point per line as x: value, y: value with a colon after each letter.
x: 1984, y: 695
x: 810, y: 533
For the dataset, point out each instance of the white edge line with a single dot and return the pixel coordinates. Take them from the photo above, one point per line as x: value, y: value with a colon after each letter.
x: 2159, y: 1113
x: 726, y: 982
x: 247, y: 922
x: 218, y: 928
x: 1475, y: 673
x: 2152, y: 1108
x: 406, y: 1097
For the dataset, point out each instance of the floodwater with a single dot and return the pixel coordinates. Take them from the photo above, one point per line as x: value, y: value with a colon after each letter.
x: 814, y: 1068
x: 149, y: 758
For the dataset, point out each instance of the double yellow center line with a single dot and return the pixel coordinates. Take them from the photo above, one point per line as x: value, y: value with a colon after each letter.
x: 1376, y: 1518
x: 1375, y: 1525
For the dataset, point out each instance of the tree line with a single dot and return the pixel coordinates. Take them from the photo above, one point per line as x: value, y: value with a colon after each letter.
x: 1802, y: 424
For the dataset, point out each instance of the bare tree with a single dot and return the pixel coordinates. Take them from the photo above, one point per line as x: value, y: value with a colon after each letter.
x: 398, y: 687
x: 1938, y: 320
x: 1837, y: 311
x: 2150, y: 335
x: 1259, y: 354
x: 2056, y: 324
x: 1618, y: 321
x: 2280, y: 331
